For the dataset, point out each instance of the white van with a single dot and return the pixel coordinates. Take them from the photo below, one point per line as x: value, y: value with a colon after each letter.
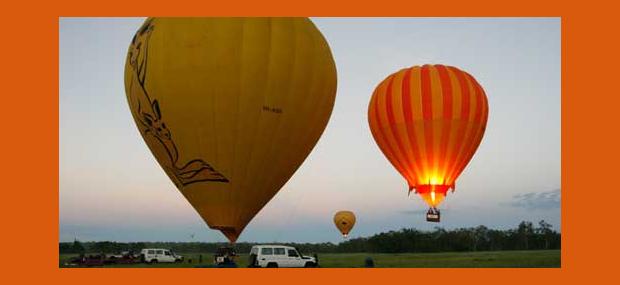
x: 154, y: 255
x: 279, y: 256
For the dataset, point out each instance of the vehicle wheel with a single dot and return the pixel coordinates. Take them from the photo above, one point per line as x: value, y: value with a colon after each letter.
x: 153, y: 260
x: 310, y: 264
x: 272, y: 265
x: 178, y: 260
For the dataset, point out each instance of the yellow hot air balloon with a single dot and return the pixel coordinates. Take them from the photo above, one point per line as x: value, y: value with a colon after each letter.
x: 230, y: 107
x: 344, y: 221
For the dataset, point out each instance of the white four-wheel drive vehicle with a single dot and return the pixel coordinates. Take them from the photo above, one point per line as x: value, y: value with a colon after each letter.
x: 154, y: 255
x: 279, y: 256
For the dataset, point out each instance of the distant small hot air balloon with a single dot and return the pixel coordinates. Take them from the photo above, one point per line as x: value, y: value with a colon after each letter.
x: 344, y: 221
x: 428, y: 121
x: 230, y: 107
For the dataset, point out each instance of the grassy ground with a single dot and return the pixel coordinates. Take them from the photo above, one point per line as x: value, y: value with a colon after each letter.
x: 534, y: 258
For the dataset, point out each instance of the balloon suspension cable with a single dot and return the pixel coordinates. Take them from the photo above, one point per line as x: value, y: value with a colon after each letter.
x: 411, y: 188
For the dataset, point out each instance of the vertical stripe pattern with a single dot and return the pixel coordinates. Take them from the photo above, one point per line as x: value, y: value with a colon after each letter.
x: 428, y: 121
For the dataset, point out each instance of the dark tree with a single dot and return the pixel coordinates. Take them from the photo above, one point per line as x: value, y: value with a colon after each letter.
x: 544, y: 230
x: 525, y: 231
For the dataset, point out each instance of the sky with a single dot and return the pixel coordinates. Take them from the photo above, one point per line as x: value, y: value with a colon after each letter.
x: 111, y: 187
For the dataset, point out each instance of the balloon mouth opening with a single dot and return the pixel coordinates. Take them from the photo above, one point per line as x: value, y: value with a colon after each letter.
x: 231, y: 233
x: 433, y: 194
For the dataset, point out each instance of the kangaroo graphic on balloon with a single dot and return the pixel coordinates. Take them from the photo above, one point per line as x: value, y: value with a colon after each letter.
x: 217, y: 108
x: 150, y: 123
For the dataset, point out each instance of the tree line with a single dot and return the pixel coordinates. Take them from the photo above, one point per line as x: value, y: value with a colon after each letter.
x: 525, y: 236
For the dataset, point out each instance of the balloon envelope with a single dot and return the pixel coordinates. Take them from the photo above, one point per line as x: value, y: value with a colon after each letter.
x: 230, y: 107
x: 429, y: 121
x: 344, y: 221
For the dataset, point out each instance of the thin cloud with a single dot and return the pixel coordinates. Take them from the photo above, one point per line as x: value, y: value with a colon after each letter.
x: 412, y: 212
x: 537, y: 200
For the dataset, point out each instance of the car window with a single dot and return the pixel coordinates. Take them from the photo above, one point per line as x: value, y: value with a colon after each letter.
x: 292, y: 253
x: 266, y: 251
x: 167, y: 252
x: 151, y: 251
x: 160, y: 251
x: 278, y: 251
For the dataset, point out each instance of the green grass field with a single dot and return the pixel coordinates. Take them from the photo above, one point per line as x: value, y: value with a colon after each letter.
x: 533, y: 258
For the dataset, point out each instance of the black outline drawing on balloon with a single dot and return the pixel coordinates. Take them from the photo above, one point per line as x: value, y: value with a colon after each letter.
x: 148, y: 115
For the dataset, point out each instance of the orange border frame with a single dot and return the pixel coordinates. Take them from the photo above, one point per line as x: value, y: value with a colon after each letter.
x: 30, y: 140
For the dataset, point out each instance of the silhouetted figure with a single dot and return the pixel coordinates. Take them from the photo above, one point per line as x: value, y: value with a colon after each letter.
x: 368, y: 263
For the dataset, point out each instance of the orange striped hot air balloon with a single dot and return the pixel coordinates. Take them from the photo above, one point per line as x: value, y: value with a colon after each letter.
x: 429, y: 121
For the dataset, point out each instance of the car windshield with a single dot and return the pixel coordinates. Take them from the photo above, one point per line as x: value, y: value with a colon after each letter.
x: 293, y: 253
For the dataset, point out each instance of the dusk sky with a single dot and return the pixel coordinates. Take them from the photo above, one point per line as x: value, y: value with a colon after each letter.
x: 111, y: 187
